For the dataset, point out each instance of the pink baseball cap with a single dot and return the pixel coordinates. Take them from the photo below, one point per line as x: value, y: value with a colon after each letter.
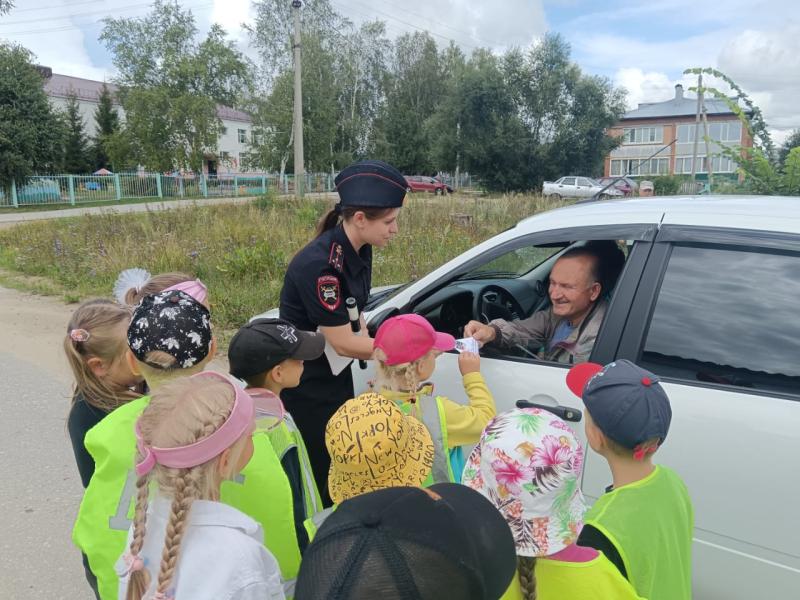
x: 405, y: 338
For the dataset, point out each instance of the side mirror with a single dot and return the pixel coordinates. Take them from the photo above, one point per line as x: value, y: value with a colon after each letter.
x: 378, y: 319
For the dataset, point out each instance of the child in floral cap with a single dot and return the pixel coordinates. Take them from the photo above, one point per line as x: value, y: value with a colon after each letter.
x: 528, y: 464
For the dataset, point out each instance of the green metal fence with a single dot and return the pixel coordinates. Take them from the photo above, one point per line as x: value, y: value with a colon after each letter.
x: 81, y: 189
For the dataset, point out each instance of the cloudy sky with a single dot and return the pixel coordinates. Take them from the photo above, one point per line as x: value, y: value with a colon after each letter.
x: 641, y: 46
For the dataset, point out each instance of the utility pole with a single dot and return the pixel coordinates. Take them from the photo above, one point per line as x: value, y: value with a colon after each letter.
x: 299, y: 170
x: 697, y: 124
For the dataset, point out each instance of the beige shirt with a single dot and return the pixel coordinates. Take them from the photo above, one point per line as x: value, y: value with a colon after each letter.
x: 538, y: 329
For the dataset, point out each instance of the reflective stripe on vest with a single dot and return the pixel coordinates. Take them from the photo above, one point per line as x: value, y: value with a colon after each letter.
x: 313, y: 501
x: 313, y: 524
x: 430, y: 409
x: 434, y: 420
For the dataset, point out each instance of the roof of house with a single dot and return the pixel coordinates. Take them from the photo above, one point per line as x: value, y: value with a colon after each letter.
x: 61, y: 86
x: 678, y: 106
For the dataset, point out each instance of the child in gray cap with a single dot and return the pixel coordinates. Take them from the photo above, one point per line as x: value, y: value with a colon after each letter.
x: 643, y: 523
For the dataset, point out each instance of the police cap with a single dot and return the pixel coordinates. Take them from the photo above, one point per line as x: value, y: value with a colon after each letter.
x: 371, y: 183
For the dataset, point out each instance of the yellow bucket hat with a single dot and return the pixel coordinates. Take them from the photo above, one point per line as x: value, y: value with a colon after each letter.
x: 373, y: 445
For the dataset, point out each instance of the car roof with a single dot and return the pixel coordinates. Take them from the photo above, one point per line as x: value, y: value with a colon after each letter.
x: 768, y: 213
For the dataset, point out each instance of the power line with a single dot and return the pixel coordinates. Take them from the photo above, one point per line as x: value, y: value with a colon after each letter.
x: 19, y: 10
x: 412, y: 25
x: 102, y: 14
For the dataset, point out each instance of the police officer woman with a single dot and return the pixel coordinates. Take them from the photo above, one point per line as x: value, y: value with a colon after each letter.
x: 334, y: 266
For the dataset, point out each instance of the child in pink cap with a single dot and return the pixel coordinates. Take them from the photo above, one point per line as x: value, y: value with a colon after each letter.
x: 406, y: 348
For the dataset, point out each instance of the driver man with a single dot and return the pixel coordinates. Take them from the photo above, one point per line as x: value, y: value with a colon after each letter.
x: 566, y: 331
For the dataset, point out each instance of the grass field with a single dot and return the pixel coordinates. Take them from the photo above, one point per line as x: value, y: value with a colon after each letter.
x: 240, y: 251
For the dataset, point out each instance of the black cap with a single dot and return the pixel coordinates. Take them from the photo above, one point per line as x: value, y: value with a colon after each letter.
x: 174, y: 322
x: 447, y: 541
x: 625, y: 401
x: 371, y: 184
x: 264, y: 343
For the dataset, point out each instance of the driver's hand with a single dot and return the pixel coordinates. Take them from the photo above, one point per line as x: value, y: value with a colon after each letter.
x: 481, y: 332
x: 469, y: 362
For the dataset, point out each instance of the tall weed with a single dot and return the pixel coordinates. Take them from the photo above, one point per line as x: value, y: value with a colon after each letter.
x: 241, y: 251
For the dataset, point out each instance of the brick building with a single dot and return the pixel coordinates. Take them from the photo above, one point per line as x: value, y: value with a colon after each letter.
x: 654, y: 125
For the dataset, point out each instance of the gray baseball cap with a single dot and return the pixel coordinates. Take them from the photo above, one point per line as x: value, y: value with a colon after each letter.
x: 625, y: 401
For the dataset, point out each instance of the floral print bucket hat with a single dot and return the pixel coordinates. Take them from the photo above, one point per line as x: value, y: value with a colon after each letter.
x: 528, y: 464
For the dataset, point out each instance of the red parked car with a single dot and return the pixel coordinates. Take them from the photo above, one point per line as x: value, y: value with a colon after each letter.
x: 421, y: 183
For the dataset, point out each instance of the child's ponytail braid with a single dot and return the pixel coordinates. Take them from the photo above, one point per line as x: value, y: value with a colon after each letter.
x: 526, y: 570
x: 186, y: 492
x: 140, y: 578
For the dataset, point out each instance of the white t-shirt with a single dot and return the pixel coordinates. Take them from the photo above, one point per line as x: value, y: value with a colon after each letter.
x: 222, y: 556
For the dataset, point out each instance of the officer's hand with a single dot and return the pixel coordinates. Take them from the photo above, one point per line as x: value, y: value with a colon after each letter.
x: 481, y: 332
x: 469, y: 362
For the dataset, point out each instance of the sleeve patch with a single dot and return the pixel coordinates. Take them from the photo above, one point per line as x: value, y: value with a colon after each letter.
x: 328, y: 292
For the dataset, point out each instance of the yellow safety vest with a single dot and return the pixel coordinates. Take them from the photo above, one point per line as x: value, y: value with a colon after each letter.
x: 261, y: 491
x: 650, y: 524
x: 313, y: 523
x: 596, y: 579
x: 430, y: 411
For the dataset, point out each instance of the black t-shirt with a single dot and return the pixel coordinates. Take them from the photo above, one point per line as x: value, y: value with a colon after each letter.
x: 82, y: 417
x: 594, y: 538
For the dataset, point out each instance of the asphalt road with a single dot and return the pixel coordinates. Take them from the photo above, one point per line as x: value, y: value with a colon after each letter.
x: 41, y: 489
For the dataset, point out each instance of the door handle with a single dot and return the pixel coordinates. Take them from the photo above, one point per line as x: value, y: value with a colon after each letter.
x: 550, y: 404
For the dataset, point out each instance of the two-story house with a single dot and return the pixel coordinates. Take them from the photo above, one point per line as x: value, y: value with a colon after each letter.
x: 654, y: 126
x: 232, y: 145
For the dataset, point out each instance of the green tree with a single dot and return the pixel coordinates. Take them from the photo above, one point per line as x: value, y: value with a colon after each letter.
x: 477, y: 126
x: 414, y: 92
x: 793, y: 141
x: 171, y: 85
x: 30, y: 131
x: 76, y: 157
x: 106, y: 121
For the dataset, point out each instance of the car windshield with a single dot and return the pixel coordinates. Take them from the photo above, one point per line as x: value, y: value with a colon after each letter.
x: 513, y: 264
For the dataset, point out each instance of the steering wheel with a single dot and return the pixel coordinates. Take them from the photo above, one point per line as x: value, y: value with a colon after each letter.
x: 495, y: 302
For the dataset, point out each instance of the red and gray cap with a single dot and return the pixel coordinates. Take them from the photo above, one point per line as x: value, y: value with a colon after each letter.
x: 370, y: 184
x: 625, y: 401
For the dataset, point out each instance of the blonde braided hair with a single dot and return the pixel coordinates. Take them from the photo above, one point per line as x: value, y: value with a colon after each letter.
x: 140, y: 579
x: 180, y: 413
x: 526, y: 570
x: 398, y: 378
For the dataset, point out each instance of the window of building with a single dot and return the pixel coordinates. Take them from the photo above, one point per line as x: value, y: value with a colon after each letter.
x: 754, y: 289
x: 242, y: 136
x: 638, y: 166
x: 724, y: 131
x: 720, y: 164
x: 643, y: 135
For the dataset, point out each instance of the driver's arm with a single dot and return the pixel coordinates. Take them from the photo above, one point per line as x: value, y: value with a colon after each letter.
x: 504, y: 333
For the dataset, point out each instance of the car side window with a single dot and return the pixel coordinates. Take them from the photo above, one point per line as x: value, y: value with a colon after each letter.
x: 568, y: 181
x: 728, y: 316
x: 584, y: 181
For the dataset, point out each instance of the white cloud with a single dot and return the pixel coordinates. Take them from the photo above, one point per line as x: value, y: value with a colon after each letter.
x: 765, y: 64
x: 50, y: 29
x: 470, y: 23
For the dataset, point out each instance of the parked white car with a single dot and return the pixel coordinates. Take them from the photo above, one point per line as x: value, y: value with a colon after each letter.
x: 576, y: 187
x: 708, y: 301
